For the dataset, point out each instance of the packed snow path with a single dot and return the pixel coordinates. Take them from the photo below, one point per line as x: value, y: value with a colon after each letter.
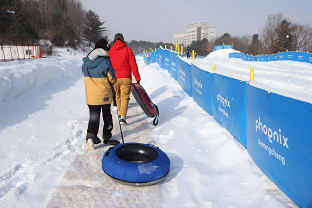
x: 85, y: 184
x: 43, y: 153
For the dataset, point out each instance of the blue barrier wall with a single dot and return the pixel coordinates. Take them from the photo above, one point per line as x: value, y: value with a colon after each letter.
x: 309, y: 58
x: 160, y: 58
x: 202, y: 88
x: 219, y: 47
x: 166, y: 55
x: 184, y: 72
x: 291, y: 55
x: 173, y: 65
x: 275, y: 129
x: 228, y: 105
x: 227, y: 47
x: 146, y: 60
x: 279, y: 141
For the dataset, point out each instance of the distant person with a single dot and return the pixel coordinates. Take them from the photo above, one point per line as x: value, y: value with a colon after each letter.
x: 98, y: 74
x: 187, y: 54
x: 124, y: 63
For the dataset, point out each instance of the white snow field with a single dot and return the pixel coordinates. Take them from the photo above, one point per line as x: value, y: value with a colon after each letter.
x: 44, y: 161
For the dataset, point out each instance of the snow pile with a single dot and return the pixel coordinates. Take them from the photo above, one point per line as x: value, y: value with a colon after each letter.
x: 17, y: 77
x: 220, y: 54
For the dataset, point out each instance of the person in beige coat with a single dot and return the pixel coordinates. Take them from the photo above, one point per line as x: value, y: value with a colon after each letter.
x: 98, y: 75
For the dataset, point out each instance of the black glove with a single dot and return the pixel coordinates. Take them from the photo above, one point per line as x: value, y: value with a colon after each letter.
x: 139, y: 81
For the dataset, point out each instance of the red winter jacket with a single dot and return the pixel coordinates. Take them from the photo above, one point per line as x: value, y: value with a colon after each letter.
x: 123, y: 61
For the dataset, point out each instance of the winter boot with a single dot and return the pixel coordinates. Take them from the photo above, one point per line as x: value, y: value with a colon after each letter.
x: 107, y: 140
x: 122, y: 120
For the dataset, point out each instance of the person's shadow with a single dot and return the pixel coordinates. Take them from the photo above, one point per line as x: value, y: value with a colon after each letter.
x: 158, y: 92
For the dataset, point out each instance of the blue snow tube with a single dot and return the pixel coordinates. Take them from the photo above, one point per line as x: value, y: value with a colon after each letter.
x: 136, y: 164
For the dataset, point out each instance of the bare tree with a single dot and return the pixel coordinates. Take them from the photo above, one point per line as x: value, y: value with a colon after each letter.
x: 303, y: 37
x: 269, y: 35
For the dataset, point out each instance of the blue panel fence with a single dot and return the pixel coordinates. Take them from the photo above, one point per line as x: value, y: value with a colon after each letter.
x: 201, y: 88
x: 219, y: 47
x: 279, y: 141
x: 274, y: 129
x: 228, y: 105
x: 291, y: 55
x: 184, y: 75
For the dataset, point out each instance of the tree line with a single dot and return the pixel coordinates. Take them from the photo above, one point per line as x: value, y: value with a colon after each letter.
x: 146, y: 46
x: 66, y: 23
x: 279, y: 34
x: 61, y: 21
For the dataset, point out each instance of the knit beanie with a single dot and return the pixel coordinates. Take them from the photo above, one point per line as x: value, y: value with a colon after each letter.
x: 119, y: 36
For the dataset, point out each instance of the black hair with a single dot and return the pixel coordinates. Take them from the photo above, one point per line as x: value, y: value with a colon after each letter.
x: 102, y: 43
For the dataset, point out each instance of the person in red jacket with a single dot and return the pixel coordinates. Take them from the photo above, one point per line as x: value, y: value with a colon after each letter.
x: 124, y: 63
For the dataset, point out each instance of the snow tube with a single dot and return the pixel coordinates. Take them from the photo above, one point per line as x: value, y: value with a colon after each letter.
x: 149, y: 108
x: 136, y: 164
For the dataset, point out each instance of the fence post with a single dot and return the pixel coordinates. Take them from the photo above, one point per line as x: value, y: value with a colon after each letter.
x: 23, y: 52
x: 3, y: 53
x: 29, y: 55
x: 40, y: 52
x: 18, y: 57
x: 193, y: 54
x: 214, y: 68
x: 252, y: 74
x: 11, y: 53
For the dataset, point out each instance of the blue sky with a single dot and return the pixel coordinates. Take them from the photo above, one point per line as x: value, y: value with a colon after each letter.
x: 158, y: 20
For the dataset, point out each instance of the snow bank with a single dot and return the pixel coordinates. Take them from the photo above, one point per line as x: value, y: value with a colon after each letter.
x: 220, y: 54
x: 17, y: 77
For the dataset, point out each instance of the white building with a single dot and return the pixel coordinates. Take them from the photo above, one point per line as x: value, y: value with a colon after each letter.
x: 179, y: 38
x: 194, y: 32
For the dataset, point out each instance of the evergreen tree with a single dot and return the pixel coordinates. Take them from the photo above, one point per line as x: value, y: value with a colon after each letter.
x: 200, y: 46
x: 67, y: 35
x: 93, y: 28
x: 7, y: 12
x: 285, y: 38
x: 225, y: 39
x: 20, y: 30
x: 254, y: 49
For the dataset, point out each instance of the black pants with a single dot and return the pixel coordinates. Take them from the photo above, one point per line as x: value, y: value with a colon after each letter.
x: 94, y: 120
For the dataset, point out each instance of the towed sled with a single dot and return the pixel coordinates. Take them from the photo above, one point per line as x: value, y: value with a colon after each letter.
x: 133, y: 163
x: 136, y: 164
x: 149, y: 108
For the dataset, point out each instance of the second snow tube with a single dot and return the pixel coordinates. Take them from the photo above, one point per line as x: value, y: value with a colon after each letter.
x: 136, y: 164
x: 149, y: 108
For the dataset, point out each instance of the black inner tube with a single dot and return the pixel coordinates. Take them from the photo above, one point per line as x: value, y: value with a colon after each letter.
x: 136, y: 153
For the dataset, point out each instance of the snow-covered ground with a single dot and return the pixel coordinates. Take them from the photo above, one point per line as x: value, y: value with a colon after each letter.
x: 288, y: 78
x: 43, y: 121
